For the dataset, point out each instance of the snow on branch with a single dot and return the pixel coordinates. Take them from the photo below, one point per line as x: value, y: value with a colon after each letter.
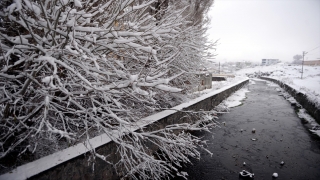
x: 72, y: 69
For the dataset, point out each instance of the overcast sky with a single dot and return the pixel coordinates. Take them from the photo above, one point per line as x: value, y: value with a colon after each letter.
x: 265, y: 29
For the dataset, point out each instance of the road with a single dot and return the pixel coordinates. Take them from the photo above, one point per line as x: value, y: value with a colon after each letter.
x: 280, y: 136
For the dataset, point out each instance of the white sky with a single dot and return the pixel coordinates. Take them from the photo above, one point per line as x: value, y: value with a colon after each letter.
x: 265, y: 29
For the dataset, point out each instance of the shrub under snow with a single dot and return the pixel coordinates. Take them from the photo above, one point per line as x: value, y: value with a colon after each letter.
x: 72, y: 69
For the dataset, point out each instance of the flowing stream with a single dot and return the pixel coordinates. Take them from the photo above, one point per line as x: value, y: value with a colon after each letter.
x: 279, y: 136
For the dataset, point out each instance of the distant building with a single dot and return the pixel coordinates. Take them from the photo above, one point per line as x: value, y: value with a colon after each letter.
x: 267, y: 62
x: 312, y: 63
x: 239, y: 65
x: 205, y: 81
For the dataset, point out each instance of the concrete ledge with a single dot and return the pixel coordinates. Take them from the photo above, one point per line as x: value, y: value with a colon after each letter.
x: 224, y: 75
x: 218, y: 78
x: 221, y: 77
x: 312, y: 109
x: 71, y: 163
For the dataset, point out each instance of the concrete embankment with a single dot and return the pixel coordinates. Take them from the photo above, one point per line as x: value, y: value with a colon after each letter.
x: 262, y: 136
x: 72, y: 163
x: 312, y: 109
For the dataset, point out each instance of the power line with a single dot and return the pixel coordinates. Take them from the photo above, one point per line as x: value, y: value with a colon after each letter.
x: 313, y: 49
x: 303, y: 55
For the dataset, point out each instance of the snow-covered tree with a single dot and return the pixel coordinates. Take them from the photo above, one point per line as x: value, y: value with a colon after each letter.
x: 72, y: 69
x: 297, y: 59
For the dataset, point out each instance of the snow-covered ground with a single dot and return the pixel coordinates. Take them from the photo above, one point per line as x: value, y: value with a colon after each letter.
x: 236, y: 98
x: 220, y: 84
x: 291, y: 75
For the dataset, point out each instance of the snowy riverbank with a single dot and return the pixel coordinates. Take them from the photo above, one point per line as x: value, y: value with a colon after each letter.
x: 291, y: 75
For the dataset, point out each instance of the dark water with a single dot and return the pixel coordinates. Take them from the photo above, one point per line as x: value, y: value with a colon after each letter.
x: 280, y: 137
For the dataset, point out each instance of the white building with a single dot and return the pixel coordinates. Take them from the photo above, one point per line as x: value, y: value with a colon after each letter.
x: 267, y: 62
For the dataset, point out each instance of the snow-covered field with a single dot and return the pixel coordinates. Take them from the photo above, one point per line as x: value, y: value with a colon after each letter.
x: 291, y: 75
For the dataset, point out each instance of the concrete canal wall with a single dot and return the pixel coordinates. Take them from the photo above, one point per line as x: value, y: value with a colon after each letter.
x: 312, y: 109
x: 72, y: 163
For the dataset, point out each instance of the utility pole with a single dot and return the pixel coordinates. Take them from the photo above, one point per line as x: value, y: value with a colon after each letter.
x: 303, y: 53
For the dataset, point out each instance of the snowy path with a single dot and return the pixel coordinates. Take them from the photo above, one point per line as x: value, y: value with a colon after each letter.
x: 280, y: 136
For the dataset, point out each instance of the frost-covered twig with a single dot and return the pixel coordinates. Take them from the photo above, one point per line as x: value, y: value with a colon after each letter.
x: 70, y: 70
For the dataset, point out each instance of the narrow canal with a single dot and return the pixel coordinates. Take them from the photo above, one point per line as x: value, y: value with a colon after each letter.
x: 279, y: 136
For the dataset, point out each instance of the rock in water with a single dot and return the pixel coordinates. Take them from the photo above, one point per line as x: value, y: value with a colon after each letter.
x: 246, y: 174
x: 275, y: 175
